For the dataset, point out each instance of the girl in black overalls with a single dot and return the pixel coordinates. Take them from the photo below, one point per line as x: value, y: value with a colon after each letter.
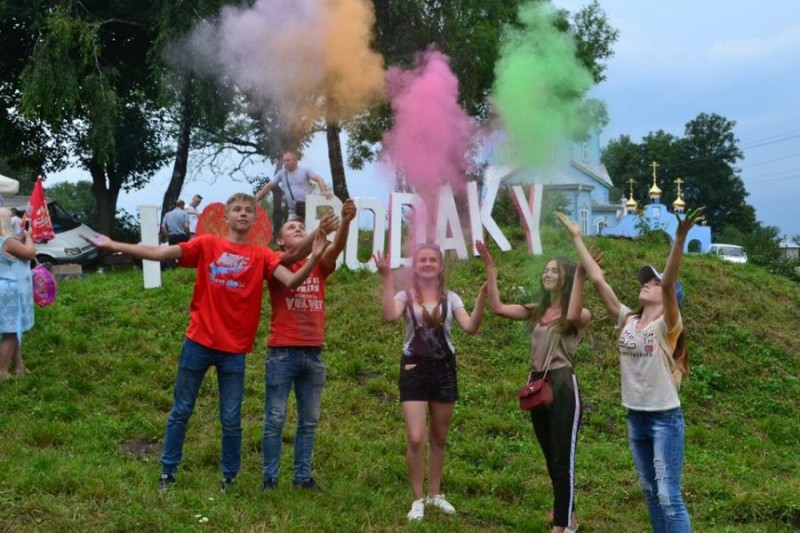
x: 428, y: 381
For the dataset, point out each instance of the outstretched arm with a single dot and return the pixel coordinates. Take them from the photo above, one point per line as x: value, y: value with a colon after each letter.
x: 392, y: 309
x: 340, y: 239
x: 265, y: 190
x: 142, y: 251
x: 670, y: 274
x: 470, y: 323
x: 295, y: 279
x: 513, y: 311
x: 593, y: 270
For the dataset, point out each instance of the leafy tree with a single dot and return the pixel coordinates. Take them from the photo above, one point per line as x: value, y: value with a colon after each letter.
x: 77, y: 198
x: 27, y: 148
x: 194, y: 101
x: 704, y: 158
x: 87, y: 81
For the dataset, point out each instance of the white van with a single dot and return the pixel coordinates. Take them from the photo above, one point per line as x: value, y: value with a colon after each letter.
x: 732, y: 253
x: 67, y: 246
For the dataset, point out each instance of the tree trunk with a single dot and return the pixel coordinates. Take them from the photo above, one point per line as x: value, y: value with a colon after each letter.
x: 105, y: 197
x: 176, y: 182
x: 279, y: 212
x: 336, y: 161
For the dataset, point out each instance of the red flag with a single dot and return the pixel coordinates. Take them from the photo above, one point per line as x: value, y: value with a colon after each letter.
x: 41, y: 226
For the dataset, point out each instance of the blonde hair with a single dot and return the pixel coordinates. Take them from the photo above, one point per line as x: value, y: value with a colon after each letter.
x: 6, y: 228
x: 240, y: 197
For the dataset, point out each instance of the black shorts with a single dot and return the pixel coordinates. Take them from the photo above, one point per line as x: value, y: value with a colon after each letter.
x: 428, y: 381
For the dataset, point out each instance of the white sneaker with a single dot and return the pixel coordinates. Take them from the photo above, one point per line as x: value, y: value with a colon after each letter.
x: 441, y: 503
x: 417, y: 510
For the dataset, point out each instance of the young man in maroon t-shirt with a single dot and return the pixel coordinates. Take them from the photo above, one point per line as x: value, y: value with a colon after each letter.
x: 294, y: 356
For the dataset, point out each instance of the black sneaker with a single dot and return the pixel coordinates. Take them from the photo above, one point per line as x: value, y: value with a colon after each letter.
x: 165, y: 481
x: 310, y: 484
x: 227, y: 484
x: 269, y: 483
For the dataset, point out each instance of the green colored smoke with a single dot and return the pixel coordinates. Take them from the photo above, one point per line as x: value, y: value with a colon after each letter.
x: 539, y: 86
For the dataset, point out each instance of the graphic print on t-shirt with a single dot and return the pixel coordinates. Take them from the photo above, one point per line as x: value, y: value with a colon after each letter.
x: 637, y: 344
x: 227, y: 270
x: 306, y: 297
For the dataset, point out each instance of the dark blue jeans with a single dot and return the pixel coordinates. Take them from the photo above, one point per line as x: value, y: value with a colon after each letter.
x: 195, y: 361
x: 656, y: 439
x: 303, y: 368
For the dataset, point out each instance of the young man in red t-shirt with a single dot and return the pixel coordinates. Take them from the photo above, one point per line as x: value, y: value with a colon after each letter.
x: 294, y: 355
x: 225, y: 311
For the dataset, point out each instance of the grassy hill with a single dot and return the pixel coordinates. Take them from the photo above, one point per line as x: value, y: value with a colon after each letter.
x: 81, y: 435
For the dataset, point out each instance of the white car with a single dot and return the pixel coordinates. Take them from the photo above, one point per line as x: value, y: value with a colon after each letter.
x: 68, y: 246
x: 732, y: 253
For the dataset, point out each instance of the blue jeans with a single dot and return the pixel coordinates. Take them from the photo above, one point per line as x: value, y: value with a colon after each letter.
x: 195, y: 360
x: 303, y: 367
x: 656, y: 440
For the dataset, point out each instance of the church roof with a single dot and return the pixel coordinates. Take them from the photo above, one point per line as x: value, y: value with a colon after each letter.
x: 597, y: 172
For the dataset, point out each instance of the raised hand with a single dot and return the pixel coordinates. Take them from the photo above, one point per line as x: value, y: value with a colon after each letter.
x: 329, y: 223
x: 382, y: 263
x: 485, y: 255
x: 570, y: 225
x: 348, y: 211
x: 690, y: 220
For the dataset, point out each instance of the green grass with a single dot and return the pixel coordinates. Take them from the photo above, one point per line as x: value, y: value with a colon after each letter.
x: 81, y: 435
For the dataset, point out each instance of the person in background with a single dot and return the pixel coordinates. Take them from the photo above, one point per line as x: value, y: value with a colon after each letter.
x: 428, y: 380
x: 193, y: 212
x: 225, y: 312
x: 176, y: 224
x: 653, y: 359
x: 296, y: 183
x: 16, y: 220
x: 16, y: 293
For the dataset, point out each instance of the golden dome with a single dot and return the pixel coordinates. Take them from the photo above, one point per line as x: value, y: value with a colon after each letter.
x: 678, y: 203
x: 655, y: 191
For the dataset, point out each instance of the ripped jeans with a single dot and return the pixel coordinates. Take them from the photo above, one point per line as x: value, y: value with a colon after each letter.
x: 656, y: 440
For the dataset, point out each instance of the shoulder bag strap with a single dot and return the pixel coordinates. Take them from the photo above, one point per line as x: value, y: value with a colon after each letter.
x: 288, y: 183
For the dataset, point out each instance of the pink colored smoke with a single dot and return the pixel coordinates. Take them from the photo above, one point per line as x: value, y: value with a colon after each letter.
x: 429, y: 144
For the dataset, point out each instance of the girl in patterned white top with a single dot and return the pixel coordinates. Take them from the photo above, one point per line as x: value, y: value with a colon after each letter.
x: 653, y: 359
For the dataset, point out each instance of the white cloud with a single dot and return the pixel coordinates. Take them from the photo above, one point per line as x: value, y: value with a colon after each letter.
x: 785, y: 41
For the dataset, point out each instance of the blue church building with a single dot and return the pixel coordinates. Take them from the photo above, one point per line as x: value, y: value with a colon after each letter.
x: 579, y: 175
x: 657, y: 217
x: 575, y: 171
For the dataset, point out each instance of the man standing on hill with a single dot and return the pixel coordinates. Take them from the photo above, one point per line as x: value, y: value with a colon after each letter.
x: 225, y: 312
x: 294, y: 355
x: 296, y: 183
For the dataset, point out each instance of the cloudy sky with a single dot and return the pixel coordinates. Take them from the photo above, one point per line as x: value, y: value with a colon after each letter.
x: 737, y: 58
x: 674, y: 60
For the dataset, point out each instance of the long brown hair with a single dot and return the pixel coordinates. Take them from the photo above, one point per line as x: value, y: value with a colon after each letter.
x: 566, y: 271
x: 437, y: 318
